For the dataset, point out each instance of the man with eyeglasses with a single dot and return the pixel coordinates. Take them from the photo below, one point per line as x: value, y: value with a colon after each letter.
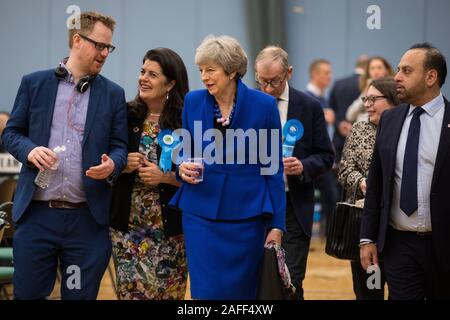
x: 66, y: 222
x: 313, y: 155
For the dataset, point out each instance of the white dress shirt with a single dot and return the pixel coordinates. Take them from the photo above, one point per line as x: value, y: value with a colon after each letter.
x: 311, y: 87
x: 283, y: 102
x: 430, y: 132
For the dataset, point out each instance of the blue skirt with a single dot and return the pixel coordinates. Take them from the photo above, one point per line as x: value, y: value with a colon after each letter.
x: 224, y: 257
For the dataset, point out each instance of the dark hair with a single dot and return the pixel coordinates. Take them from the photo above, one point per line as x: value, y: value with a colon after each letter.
x: 362, y: 61
x: 366, y: 76
x: 387, y: 87
x: 434, y: 59
x: 173, y: 68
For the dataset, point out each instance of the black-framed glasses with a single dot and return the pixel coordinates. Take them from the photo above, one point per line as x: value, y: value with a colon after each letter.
x: 273, y: 83
x: 371, y: 99
x: 100, y: 46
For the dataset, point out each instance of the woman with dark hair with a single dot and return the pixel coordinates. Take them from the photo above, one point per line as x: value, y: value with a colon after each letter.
x: 355, y: 162
x: 148, y: 246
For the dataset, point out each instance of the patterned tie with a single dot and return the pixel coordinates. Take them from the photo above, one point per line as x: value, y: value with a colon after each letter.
x: 408, y: 194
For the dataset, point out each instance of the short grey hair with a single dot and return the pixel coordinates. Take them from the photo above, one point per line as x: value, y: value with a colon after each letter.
x: 273, y: 53
x: 224, y: 51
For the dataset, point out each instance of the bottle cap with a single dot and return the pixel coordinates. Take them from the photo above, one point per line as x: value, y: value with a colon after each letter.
x: 59, y: 149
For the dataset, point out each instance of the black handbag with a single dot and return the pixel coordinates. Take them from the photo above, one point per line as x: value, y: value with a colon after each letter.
x: 271, y: 285
x: 343, y: 229
x: 172, y: 221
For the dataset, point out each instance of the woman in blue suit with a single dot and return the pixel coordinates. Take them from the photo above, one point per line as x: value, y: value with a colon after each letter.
x: 239, y: 205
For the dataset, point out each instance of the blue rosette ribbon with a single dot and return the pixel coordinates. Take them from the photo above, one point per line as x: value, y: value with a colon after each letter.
x: 292, y: 131
x: 167, y: 141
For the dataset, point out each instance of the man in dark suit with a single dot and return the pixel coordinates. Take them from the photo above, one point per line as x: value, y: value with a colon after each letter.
x: 406, y: 217
x: 67, y: 222
x: 320, y: 75
x: 342, y: 95
x: 313, y: 155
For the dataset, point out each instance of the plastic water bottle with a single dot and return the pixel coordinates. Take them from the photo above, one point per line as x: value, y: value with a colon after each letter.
x: 43, y: 177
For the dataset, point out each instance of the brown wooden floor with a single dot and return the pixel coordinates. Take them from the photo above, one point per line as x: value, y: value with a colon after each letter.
x: 326, y: 278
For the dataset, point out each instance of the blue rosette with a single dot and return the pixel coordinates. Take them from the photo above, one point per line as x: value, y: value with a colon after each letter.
x: 167, y: 141
x: 293, y: 131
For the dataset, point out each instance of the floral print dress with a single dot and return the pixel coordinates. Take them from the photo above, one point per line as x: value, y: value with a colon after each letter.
x: 148, y: 266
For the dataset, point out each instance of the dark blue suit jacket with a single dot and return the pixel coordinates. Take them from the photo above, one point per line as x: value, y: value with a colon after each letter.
x: 322, y: 100
x: 235, y: 191
x: 315, y: 152
x: 380, y: 182
x: 342, y: 95
x: 105, y: 132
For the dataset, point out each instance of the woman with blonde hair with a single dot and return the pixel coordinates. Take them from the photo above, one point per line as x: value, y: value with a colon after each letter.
x: 376, y: 68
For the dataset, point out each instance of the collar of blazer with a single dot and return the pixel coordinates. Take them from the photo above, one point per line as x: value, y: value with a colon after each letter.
x: 210, y: 101
x: 295, y: 104
x: 97, y: 91
x: 50, y: 90
x: 398, y: 114
x: 444, y: 144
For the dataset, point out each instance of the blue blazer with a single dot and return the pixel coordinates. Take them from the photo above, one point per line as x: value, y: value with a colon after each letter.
x: 314, y: 150
x: 105, y: 132
x: 235, y: 191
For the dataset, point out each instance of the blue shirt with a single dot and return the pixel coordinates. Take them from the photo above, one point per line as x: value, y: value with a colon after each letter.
x: 69, y: 118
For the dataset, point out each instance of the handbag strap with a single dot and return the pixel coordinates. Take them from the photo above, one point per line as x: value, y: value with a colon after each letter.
x: 355, y: 192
